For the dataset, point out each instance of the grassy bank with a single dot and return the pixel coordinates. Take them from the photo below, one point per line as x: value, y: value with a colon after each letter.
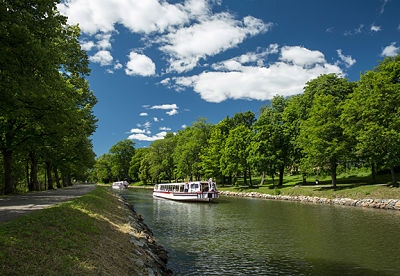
x: 350, y: 185
x: 86, y: 236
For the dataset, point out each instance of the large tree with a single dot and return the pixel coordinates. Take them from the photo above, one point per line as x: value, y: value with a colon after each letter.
x: 121, y: 156
x: 372, y: 115
x: 323, y: 142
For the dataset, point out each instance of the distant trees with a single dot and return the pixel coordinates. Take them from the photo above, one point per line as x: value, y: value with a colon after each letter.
x: 335, y: 123
x: 46, y: 105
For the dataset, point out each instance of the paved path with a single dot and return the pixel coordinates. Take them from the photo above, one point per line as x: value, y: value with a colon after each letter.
x: 16, y: 205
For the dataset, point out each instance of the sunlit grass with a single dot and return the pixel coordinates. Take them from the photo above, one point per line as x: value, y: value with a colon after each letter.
x: 86, y: 236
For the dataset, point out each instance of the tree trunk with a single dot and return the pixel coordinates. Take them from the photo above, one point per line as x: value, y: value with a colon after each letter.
x: 333, y: 174
x: 7, y: 165
x: 64, y: 179
x: 281, y: 171
x: 273, y: 180
x: 49, y: 176
x: 304, y: 179
x: 394, y: 181
x: 68, y: 177
x: 45, y: 178
x: 34, y: 169
x: 57, y: 178
x: 262, y: 178
x: 245, y: 176
x: 28, y: 181
x: 251, y: 182
x: 373, y: 172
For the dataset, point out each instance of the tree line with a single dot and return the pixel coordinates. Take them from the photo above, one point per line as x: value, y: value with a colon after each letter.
x: 335, y: 123
x: 46, y: 105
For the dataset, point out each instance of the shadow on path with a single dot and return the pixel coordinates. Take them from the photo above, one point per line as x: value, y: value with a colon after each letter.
x: 16, y: 205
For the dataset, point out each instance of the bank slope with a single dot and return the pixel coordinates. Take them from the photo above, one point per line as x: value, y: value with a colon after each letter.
x: 86, y: 236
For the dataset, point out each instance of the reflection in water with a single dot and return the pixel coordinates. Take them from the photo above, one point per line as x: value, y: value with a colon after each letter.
x: 239, y: 236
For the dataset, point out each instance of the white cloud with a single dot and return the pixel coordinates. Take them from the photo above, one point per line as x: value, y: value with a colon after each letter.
x: 155, y: 119
x: 375, y: 28
x: 139, y: 64
x: 164, y: 128
x: 172, y: 112
x: 184, y: 126
x: 173, y: 108
x: 301, y: 56
x: 236, y: 63
x: 383, y: 7
x: 144, y: 137
x: 137, y: 15
x: 87, y: 46
x: 143, y: 114
x: 137, y: 130
x: 286, y: 77
x: 390, y: 50
x: 110, y: 71
x: 102, y: 57
x: 186, y: 46
x: 347, y: 60
x: 103, y: 41
x: 117, y: 66
x: 165, y: 106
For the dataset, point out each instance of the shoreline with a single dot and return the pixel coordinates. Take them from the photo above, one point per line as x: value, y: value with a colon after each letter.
x: 387, y: 204
x: 150, y: 257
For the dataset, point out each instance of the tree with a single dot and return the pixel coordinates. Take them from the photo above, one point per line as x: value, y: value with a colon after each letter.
x: 371, y: 115
x: 121, y: 155
x: 323, y: 141
x: 270, y: 148
x: 235, y: 153
x: 135, y: 163
x: 211, y: 154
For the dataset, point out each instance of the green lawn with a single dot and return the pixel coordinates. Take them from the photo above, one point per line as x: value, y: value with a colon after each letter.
x: 86, y: 236
x: 356, y: 185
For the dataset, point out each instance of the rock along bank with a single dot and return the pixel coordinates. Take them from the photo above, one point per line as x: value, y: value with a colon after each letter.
x: 150, y: 258
x: 389, y: 204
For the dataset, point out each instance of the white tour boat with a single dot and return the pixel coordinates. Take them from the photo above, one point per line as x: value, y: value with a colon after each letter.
x: 120, y: 185
x: 189, y: 191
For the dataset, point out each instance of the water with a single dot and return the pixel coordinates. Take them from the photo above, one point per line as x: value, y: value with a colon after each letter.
x: 239, y: 236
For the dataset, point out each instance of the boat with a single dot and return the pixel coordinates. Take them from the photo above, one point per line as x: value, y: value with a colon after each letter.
x: 187, y: 191
x: 120, y: 185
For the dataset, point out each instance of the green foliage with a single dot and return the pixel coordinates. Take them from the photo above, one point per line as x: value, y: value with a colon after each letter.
x: 322, y: 139
x: 121, y: 155
x: 45, y: 104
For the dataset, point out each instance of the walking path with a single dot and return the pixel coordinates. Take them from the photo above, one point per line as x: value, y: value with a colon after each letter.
x: 16, y: 205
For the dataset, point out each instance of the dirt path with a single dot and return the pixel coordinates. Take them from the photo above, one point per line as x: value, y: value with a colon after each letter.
x: 14, y: 206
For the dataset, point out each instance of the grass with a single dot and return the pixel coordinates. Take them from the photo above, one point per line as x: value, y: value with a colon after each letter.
x: 86, y: 236
x: 353, y: 184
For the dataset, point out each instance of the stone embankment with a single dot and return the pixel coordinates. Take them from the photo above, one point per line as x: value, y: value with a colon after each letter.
x: 149, y: 257
x: 391, y: 204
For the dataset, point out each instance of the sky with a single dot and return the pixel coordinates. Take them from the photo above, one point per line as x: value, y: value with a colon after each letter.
x: 157, y: 66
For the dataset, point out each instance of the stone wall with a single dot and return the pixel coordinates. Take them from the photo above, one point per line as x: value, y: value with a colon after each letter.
x: 149, y: 257
x: 391, y: 204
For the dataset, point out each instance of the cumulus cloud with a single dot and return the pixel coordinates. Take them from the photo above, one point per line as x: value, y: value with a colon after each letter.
x: 102, y: 57
x: 155, y: 119
x: 144, y: 137
x: 184, y: 126
x: 87, y: 45
x: 301, y: 56
x: 173, y: 108
x: 137, y: 130
x: 117, y: 65
x: 347, y: 60
x: 286, y: 77
x: 137, y: 15
x: 186, y: 46
x: 375, y: 28
x: 143, y: 114
x: 390, y: 50
x: 139, y: 64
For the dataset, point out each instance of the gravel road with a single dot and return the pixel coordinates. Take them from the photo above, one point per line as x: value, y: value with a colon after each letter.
x: 16, y: 205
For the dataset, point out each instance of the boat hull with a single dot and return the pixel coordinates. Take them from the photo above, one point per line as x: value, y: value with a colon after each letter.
x: 200, y: 197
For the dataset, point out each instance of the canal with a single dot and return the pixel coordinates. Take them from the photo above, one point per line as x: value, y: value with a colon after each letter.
x: 240, y: 236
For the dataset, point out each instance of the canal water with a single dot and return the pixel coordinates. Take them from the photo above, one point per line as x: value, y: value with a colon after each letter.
x: 240, y: 236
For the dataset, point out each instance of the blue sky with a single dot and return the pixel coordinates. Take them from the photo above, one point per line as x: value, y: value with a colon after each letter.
x: 157, y: 66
